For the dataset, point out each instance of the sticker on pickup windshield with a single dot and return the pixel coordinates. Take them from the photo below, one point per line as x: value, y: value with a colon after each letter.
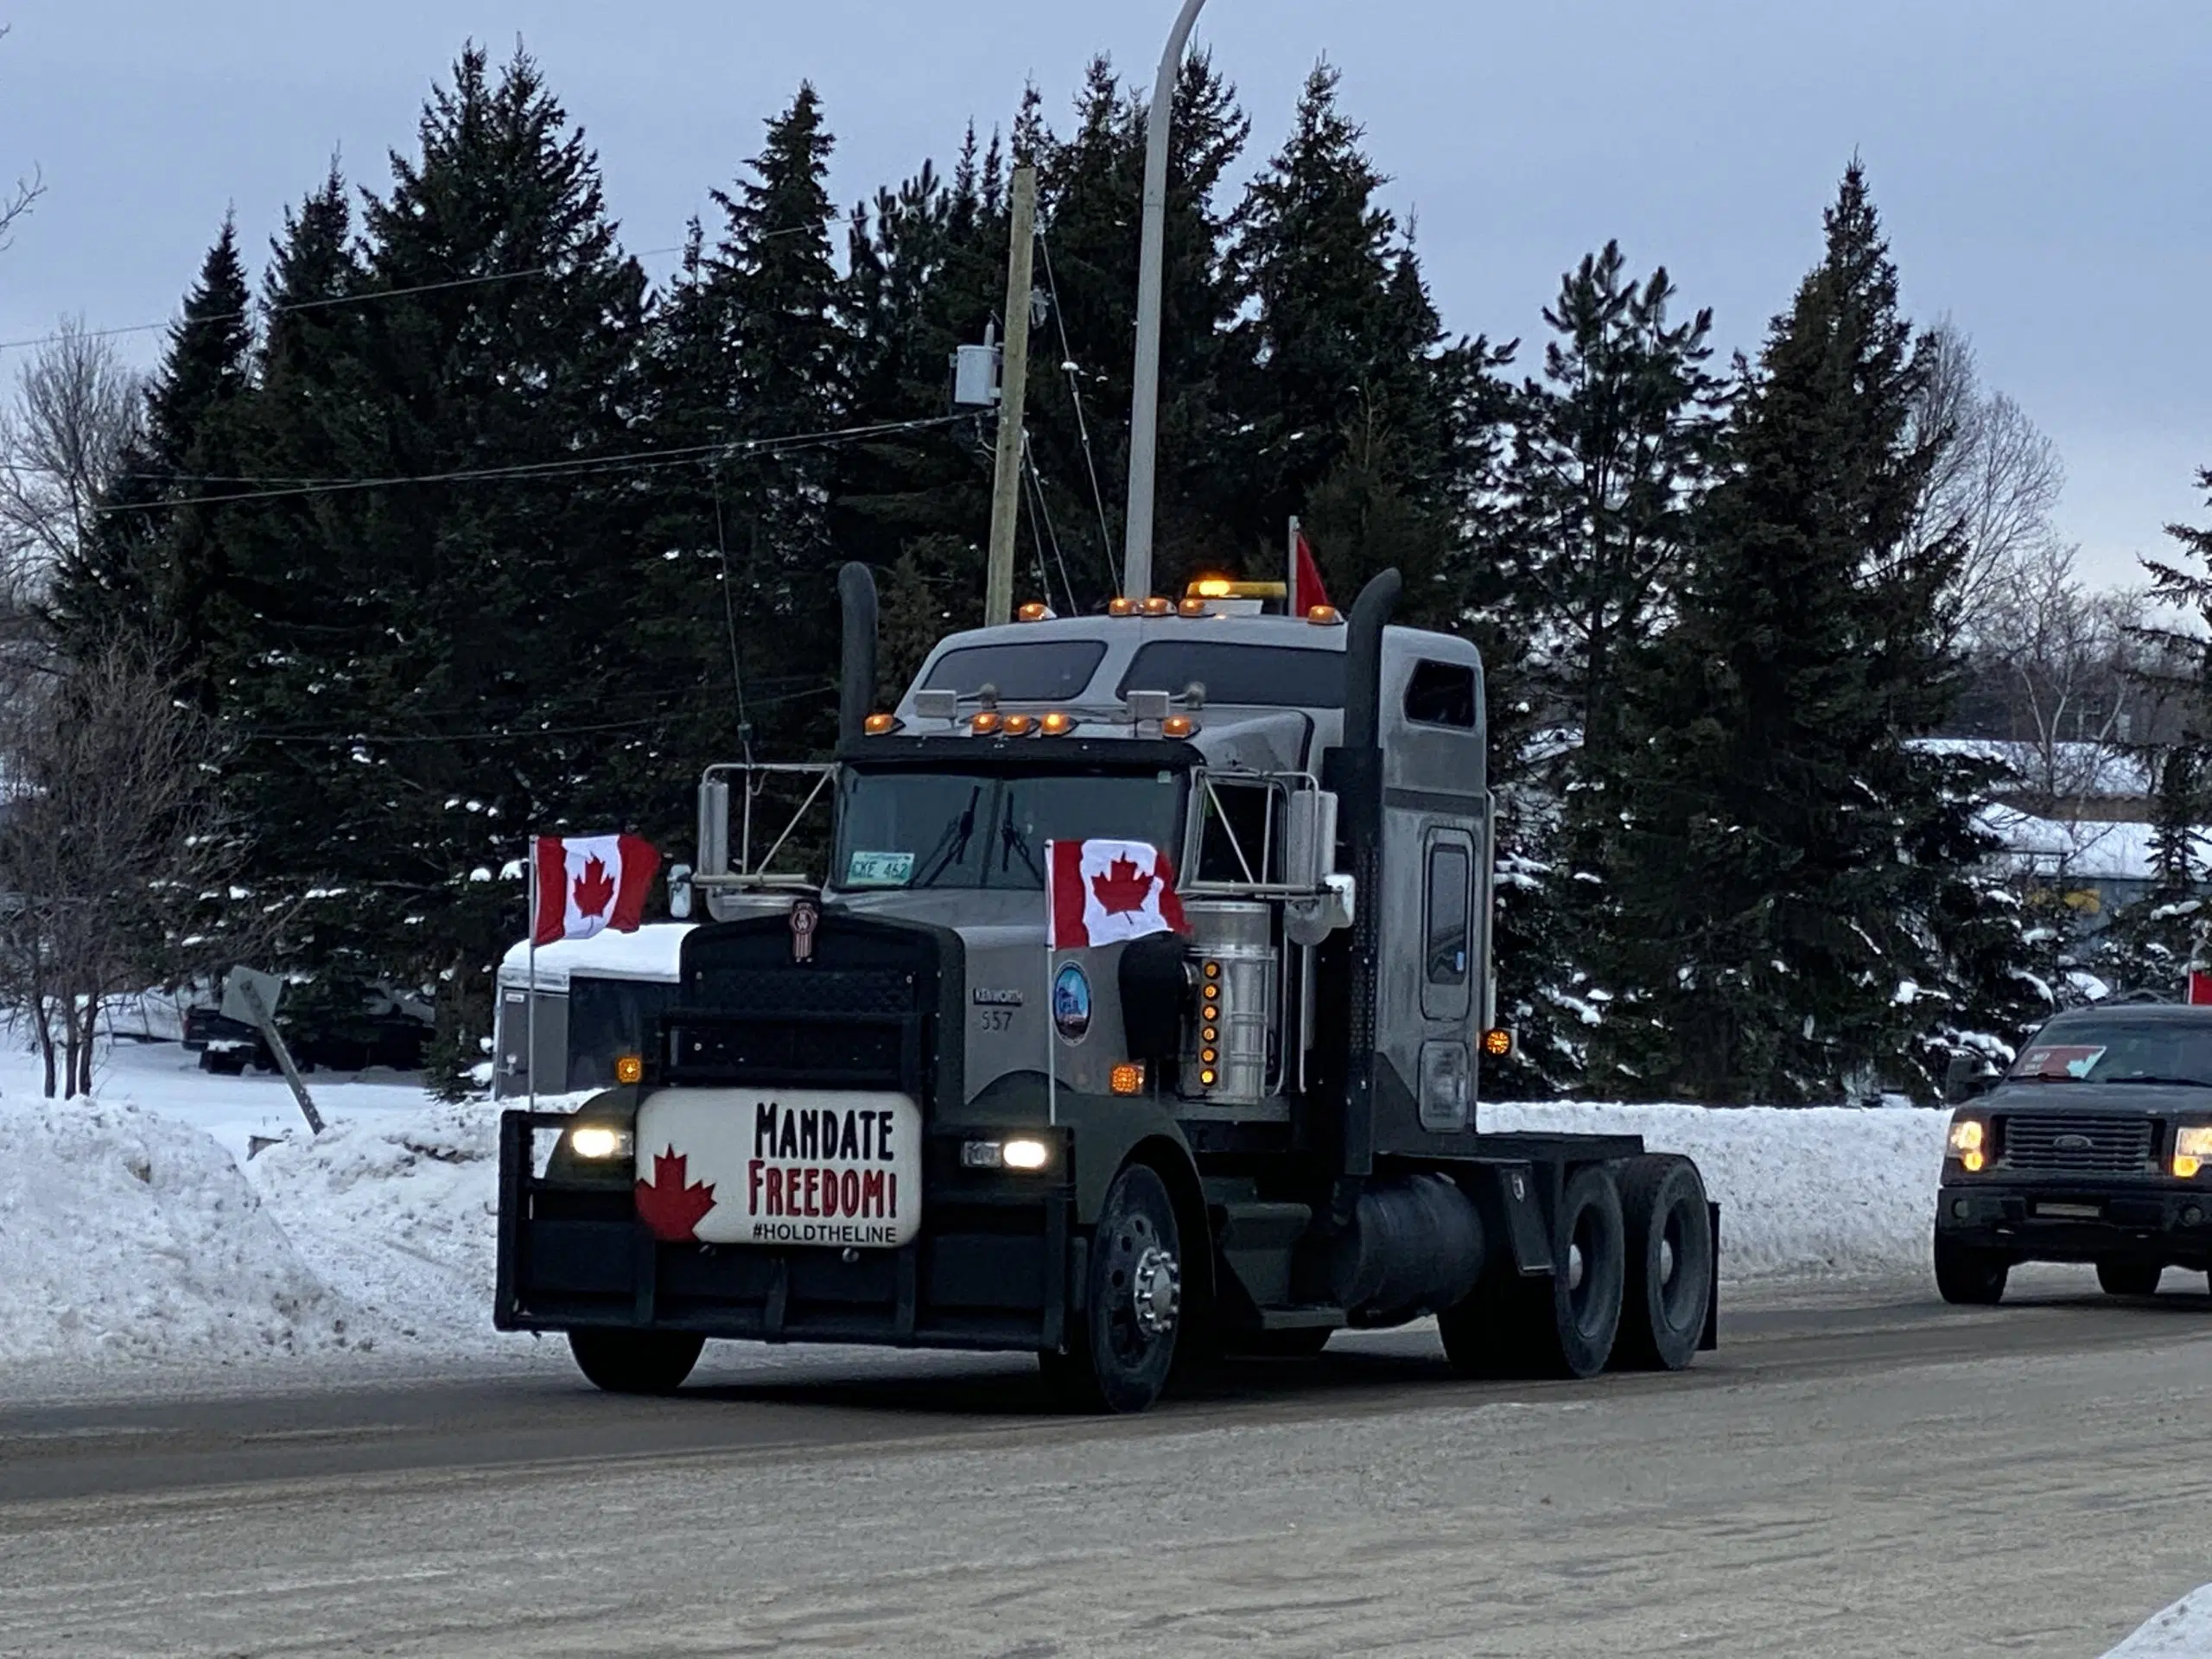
x: 2075, y: 1060
x: 879, y: 869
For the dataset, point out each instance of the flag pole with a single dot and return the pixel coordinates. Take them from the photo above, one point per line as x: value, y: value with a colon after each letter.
x: 530, y: 1010
x: 1290, y: 571
x: 1052, y: 1018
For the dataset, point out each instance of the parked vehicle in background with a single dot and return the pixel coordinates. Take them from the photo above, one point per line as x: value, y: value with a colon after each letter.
x: 2096, y: 1147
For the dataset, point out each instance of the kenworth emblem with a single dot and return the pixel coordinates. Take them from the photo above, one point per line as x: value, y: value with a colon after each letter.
x: 805, y: 918
x: 989, y: 998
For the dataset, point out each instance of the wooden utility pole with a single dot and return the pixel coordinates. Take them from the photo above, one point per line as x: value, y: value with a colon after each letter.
x: 1014, y: 385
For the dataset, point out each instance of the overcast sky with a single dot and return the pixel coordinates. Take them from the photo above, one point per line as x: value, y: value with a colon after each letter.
x: 2042, y: 164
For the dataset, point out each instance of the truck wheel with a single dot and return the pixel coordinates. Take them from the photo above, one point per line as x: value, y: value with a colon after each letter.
x: 1562, y: 1325
x: 1120, y: 1353
x: 1668, y: 1289
x: 635, y: 1362
x: 1969, y: 1277
x: 2129, y: 1278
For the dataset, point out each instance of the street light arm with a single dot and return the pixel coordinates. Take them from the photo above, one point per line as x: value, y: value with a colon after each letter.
x: 1144, y: 400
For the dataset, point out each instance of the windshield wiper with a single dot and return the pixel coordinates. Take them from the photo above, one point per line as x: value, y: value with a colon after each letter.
x: 952, y: 844
x: 1013, y: 840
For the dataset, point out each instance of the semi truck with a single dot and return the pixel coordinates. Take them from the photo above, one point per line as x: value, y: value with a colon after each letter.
x: 882, y: 1110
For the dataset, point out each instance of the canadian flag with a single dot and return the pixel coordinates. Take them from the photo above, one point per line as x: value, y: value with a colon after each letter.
x: 587, y: 884
x: 1104, y: 892
x: 1307, y: 591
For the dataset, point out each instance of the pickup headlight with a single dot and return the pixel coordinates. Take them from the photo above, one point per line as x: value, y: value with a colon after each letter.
x: 2192, y: 1149
x: 1969, y: 1142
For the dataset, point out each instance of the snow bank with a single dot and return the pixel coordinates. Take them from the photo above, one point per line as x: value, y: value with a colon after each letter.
x: 1810, y: 1193
x: 2182, y: 1631
x: 127, y: 1236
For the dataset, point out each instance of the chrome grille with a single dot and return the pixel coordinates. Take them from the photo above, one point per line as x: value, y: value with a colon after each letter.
x: 2092, y: 1142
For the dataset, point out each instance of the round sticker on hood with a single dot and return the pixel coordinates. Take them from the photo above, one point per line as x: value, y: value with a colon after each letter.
x: 1071, y: 1002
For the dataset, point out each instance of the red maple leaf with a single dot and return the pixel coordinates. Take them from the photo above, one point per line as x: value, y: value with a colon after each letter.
x: 1123, y: 888
x: 595, y: 889
x: 670, y: 1210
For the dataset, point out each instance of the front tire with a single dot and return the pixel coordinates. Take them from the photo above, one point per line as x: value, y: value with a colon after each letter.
x: 2129, y: 1278
x: 1968, y: 1277
x: 1121, y: 1351
x: 635, y: 1362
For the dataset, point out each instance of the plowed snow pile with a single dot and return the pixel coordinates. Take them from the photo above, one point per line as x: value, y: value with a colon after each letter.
x: 1812, y: 1193
x: 126, y: 1235
x: 2181, y: 1632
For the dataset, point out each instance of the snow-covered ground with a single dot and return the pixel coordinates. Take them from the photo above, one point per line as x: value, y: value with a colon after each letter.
x: 2181, y: 1632
x: 137, y: 1231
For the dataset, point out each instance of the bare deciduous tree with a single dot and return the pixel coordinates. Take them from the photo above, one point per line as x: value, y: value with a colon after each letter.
x: 110, y: 836
x: 14, y: 203
x: 1995, y: 483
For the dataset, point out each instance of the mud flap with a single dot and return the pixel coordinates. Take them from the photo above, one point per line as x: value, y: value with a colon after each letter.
x: 1710, y: 1339
x: 1526, y: 1230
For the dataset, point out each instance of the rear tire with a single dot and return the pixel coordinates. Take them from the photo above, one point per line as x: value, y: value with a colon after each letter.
x: 1968, y: 1277
x: 635, y: 1362
x: 1561, y: 1325
x: 2129, y: 1278
x: 1668, y: 1289
x: 1122, y: 1349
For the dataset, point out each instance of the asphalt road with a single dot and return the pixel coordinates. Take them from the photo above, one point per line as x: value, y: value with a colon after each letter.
x: 1876, y: 1475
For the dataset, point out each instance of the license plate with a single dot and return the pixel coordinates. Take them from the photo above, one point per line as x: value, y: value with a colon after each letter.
x: 2071, y: 1212
x: 830, y: 1168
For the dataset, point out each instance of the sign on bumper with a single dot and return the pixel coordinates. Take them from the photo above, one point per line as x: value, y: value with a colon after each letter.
x: 780, y: 1166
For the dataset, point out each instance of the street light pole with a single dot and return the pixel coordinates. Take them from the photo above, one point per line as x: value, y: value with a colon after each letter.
x: 1144, y: 401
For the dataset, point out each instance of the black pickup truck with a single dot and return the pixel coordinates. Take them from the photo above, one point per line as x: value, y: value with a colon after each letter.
x: 2096, y: 1147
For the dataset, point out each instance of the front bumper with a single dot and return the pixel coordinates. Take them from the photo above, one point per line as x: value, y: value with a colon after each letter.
x: 992, y: 1266
x: 2081, y: 1220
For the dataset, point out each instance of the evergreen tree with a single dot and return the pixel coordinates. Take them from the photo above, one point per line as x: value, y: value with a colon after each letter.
x: 1786, y: 856
x: 154, y: 569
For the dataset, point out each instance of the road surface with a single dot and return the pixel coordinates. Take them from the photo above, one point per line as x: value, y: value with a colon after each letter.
x: 1877, y: 1475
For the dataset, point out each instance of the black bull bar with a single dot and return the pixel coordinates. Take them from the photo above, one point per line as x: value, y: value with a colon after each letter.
x: 992, y: 1266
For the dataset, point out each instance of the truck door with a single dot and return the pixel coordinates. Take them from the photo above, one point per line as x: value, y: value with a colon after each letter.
x: 1447, y: 975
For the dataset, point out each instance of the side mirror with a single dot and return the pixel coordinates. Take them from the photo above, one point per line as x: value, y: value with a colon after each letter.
x: 1309, y: 850
x: 714, y: 828
x: 1966, y: 1077
x: 679, y: 892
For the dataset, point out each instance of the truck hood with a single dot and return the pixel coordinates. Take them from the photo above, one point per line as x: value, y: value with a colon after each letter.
x: 2149, y: 1099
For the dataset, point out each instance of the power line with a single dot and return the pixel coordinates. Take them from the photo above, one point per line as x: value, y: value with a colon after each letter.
x: 1082, y: 426
x: 566, y: 466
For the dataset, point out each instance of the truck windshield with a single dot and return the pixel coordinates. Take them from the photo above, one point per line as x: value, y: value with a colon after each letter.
x: 2120, y: 1050
x: 955, y: 830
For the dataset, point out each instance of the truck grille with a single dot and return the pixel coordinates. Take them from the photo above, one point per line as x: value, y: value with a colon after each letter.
x: 2092, y: 1143
x: 767, y: 991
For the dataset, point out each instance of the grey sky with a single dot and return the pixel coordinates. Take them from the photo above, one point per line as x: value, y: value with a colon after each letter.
x: 2041, y: 163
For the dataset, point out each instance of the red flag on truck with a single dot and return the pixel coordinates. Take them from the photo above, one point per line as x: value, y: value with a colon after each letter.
x: 2200, y: 986
x: 1310, y: 591
x: 1104, y: 892
x: 587, y: 884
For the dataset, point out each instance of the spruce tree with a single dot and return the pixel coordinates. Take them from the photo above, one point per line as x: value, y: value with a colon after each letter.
x: 1786, y: 856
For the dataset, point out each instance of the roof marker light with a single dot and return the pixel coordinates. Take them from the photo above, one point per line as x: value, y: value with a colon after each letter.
x: 1120, y: 606
x: 1034, y: 610
x: 1156, y: 606
x: 1178, y: 726
x: 1323, y: 616
x: 1017, y: 725
x: 877, y: 725
x: 1056, y: 724
x: 984, y: 723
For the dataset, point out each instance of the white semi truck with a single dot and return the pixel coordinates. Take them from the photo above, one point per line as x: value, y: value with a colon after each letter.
x: 880, y: 1111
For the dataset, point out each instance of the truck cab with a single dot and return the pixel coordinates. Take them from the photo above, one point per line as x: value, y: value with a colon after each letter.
x: 882, y: 1110
x: 2095, y: 1146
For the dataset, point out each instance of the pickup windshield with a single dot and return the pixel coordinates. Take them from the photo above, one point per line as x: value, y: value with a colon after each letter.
x: 2120, y: 1050
x: 956, y: 829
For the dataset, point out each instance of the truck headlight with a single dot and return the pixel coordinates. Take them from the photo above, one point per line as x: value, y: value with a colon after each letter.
x: 1022, y: 1153
x: 2192, y: 1149
x: 1969, y: 1142
x: 596, y: 1141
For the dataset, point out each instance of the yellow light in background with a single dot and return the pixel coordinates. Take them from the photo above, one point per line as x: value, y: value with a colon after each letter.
x: 877, y: 725
x: 1056, y: 724
x: 1212, y: 586
x: 629, y: 1068
x: 1127, y: 1079
x: 1498, y: 1042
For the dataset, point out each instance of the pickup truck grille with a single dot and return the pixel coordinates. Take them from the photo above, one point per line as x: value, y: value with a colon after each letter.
x: 2092, y: 1143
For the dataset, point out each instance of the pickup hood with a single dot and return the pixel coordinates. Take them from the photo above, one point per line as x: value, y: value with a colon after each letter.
x: 2147, y: 1099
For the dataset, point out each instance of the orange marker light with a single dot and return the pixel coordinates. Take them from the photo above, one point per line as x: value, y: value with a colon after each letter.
x: 985, y: 723
x: 1127, y: 1079
x: 1208, y: 1055
x: 877, y: 725
x: 1205, y: 1079
x: 1322, y: 616
x: 1178, y: 726
x: 629, y: 1068
x: 1156, y: 606
x: 1032, y: 612
x: 1191, y: 607
x: 1213, y: 971
x: 1056, y: 724
x: 1121, y: 606
x: 1017, y: 725
x: 1498, y: 1042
